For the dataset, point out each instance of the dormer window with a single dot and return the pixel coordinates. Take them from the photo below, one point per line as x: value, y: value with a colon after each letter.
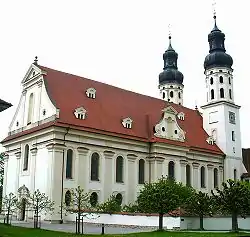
x: 210, y: 140
x: 91, y: 93
x: 127, y: 122
x: 80, y: 113
x: 181, y: 116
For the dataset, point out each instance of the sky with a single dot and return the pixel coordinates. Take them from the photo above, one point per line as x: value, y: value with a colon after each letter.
x: 121, y: 42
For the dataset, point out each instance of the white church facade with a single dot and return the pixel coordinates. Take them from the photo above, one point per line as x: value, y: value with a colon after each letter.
x: 69, y: 131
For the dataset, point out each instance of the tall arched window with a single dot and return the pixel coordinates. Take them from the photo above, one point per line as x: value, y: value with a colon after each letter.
x: 30, y: 108
x: 69, y: 164
x: 118, y: 198
x: 179, y: 95
x: 203, y: 177
x: 188, y: 175
x: 26, y: 157
x: 171, y: 94
x: 119, y: 169
x: 93, y: 199
x: 221, y: 79
x: 95, y: 166
x: 212, y: 94
x: 141, y: 171
x: 211, y: 81
x: 163, y: 95
x: 229, y: 81
x: 67, y: 198
x: 215, y: 178
x: 221, y: 93
x: 171, y: 170
x: 230, y: 93
x: 235, y: 174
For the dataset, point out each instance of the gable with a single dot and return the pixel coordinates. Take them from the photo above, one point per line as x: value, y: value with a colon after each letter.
x: 33, y: 73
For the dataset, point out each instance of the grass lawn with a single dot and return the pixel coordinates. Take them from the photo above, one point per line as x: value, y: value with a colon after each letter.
x: 12, y: 231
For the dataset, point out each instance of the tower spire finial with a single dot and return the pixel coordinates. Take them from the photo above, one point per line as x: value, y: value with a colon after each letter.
x: 36, y: 60
x: 169, y: 31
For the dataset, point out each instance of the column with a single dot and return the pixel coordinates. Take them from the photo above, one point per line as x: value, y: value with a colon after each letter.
x: 221, y: 177
x: 55, y: 179
x: 18, y: 164
x: 209, y: 178
x: 109, y: 174
x: 82, y: 168
x: 195, y: 175
x: 183, y: 164
x: 132, y: 179
x: 33, y: 152
x: 6, y: 161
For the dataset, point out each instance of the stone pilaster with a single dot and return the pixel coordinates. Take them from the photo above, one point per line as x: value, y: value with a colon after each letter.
x: 18, y: 167
x: 33, y: 152
x: 159, y: 167
x: 6, y: 163
x: 132, y: 178
x: 183, y: 164
x: 209, y: 178
x: 109, y: 174
x: 55, y: 179
x: 196, y: 178
x: 82, y: 167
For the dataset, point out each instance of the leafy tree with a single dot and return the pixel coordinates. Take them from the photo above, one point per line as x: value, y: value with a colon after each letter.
x: 162, y: 197
x: 234, y: 199
x: 110, y: 206
x: 9, y: 205
x: 200, y: 204
x: 131, y: 208
x: 78, y: 202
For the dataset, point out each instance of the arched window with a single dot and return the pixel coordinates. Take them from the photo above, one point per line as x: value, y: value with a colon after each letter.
x: 179, y: 95
x: 235, y: 174
x: 141, y: 171
x: 118, y: 198
x: 171, y: 94
x: 188, y: 175
x: 229, y: 81
x: 215, y: 178
x: 93, y: 199
x: 171, y: 170
x: 230, y: 93
x: 119, y: 169
x: 211, y: 81
x: 95, y: 167
x: 67, y: 198
x: 26, y: 157
x: 163, y: 95
x: 221, y: 79
x: 30, y: 108
x: 203, y: 177
x: 221, y: 93
x: 69, y: 164
x: 212, y: 94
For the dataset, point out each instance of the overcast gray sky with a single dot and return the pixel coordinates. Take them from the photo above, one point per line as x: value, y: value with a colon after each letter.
x: 121, y: 43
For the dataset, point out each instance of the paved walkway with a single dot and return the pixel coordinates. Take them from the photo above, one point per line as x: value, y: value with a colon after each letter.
x: 88, y: 228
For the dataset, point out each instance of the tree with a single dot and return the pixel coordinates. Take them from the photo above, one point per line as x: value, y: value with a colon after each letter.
x: 110, y: 206
x: 9, y: 205
x: 162, y: 197
x: 234, y: 199
x: 78, y: 202
x: 199, y: 204
x: 39, y: 202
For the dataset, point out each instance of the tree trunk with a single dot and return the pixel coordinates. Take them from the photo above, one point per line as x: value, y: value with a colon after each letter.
x: 234, y: 222
x: 201, y: 222
x: 79, y: 221
x: 160, y: 221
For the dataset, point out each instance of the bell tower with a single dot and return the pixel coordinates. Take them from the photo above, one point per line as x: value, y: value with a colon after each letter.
x: 220, y: 114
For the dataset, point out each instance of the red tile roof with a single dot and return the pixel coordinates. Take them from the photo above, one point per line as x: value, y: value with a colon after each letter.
x: 112, y: 104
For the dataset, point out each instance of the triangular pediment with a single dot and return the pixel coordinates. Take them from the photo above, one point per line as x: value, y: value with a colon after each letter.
x: 170, y: 110
x: 33, y: 73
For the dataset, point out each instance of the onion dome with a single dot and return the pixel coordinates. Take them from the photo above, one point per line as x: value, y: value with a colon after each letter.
x: 170, y: 72
x: 217, y: 56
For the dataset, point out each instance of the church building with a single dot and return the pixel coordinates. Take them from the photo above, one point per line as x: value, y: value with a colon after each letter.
x: 69, y: 130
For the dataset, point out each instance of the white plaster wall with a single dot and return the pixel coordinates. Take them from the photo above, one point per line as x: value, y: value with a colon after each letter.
x: 134, y: 220
x: 214, y: 223
x: 11, y: 174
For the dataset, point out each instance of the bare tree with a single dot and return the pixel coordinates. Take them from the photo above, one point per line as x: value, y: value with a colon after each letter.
x: 9, y: 205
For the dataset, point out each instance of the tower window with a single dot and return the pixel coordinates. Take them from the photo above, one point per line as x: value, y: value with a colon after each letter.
x: 221, y: 93
x: 221, y: 79
x: 229, y: 81
x: 233, y: 136
x: 211, y: 81
x: 230, y: 93
x: 163, y: 95
x: 171, y: 86
x: 220, y: 70
x: 212, y: 94
x: 179, y: 95
x: 171, y: 94
x: 211, y: 72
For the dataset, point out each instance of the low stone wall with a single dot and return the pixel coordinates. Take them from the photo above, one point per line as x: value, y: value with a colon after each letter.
x: 128, y: 220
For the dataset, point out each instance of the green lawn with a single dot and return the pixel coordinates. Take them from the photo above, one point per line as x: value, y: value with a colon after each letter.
x: 11, y: 231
